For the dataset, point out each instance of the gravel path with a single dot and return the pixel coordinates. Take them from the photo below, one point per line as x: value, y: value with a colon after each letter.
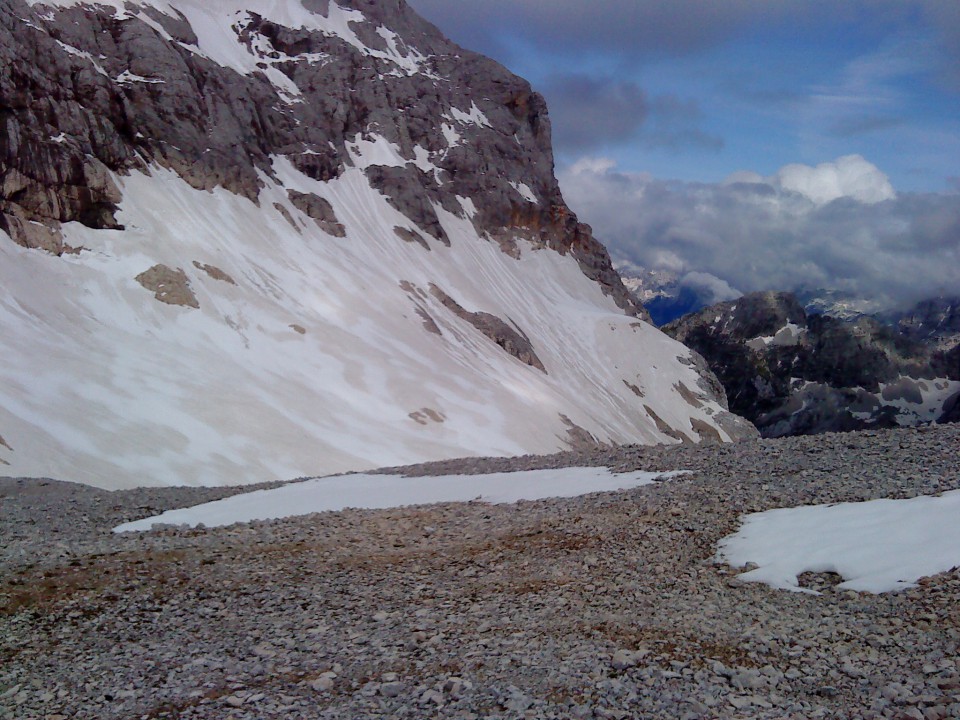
x: 604, y: 606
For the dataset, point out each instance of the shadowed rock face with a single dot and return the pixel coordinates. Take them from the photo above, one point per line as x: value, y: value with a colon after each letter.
x: 87, y: 91
x: 792, y: 373
x: 934, y: 321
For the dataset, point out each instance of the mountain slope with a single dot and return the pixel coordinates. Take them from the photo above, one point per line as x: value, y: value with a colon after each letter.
x: 264, y: 240
x: 793, y: 373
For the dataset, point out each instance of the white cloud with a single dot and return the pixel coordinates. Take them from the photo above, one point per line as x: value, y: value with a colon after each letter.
x: 849, y: 176
x: 838, y: 226
x: 710, y: 286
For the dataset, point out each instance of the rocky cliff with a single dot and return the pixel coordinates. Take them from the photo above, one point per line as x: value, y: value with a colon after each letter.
x: 244, y: 240
x: 790, y: 372
x: 935, y: 321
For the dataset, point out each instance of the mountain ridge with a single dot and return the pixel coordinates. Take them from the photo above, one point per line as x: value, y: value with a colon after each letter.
x: 791, y: 372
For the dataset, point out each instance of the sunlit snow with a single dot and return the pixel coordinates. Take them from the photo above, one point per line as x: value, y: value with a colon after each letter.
x: 876, y: 546
x: 385, y: 491
x: 233, y: 392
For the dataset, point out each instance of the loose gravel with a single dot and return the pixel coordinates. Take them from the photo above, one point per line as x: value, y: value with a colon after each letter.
x: 604, y: 606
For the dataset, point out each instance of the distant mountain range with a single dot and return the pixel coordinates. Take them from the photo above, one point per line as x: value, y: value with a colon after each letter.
x: 793, y: 372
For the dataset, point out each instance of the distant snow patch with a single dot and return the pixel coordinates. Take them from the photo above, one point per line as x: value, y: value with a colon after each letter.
x: 128, y: 77
x: 370, y: 491
x: 789, y: 335
x: 877, y: 546
x: 474, y: 117
x: 375, y: 150
x: 525, y: 192
x: 450, y: 135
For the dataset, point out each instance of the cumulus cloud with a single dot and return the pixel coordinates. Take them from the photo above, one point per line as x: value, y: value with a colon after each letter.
x: 850, y: 176
x: 710, y: 287
x: 837, y: 226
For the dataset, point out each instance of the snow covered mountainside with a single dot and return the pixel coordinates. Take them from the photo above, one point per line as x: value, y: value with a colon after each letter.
x: 250, y: 240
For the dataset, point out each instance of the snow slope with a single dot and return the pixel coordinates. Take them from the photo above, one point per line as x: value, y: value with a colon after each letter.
x: 385, y: 491
x: 318, y: 357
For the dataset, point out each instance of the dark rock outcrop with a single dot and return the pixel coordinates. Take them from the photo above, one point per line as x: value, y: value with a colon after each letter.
x: 793, y: 373
x: 936, y: 321
x: 512, y: 340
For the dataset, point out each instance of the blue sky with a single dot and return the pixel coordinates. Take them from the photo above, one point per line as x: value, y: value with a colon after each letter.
x: 670, y: 98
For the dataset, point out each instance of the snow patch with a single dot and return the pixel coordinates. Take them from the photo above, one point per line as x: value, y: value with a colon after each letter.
x: 525, y: 192
x: 71, y: 50
x: 228, y: 393
x: 385, y: 491
x: 450, y: 135
x: 877, y: 546
x: 128, y: 77
x: 789, y: 335
x: 474, y: 117
x: 368, y: 149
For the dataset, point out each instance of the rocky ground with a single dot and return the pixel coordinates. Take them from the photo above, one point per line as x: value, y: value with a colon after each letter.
x: 606, y: 606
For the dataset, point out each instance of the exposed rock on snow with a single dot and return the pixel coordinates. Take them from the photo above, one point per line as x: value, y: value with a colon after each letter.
x: 513, y: 341
x: 168, y: 286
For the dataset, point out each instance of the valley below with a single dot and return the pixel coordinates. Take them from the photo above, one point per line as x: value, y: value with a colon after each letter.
x: 610, y: 605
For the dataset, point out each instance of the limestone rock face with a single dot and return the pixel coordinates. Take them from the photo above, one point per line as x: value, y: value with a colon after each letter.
x: 794, y: 373
x: 92, y: 91
x: 935, y: 321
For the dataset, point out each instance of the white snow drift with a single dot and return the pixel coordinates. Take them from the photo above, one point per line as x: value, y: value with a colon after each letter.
x: 876, y: 546
x: 384, y: 491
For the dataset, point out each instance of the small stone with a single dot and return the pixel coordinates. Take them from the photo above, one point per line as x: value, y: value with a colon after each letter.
x: 748, y: 679
x: 322, y: 684
x: 392, y: 689
x: 623, y: 659
x: 431, y: 696
x: 456, y: 686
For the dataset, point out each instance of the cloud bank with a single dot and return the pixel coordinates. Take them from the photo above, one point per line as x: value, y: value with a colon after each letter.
x: 838, y: 226
x: 589, y: 112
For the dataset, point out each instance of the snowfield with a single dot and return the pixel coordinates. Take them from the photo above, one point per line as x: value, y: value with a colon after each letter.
x: 386, y: 491
x: 309, y: 354
x: 877, y: 546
